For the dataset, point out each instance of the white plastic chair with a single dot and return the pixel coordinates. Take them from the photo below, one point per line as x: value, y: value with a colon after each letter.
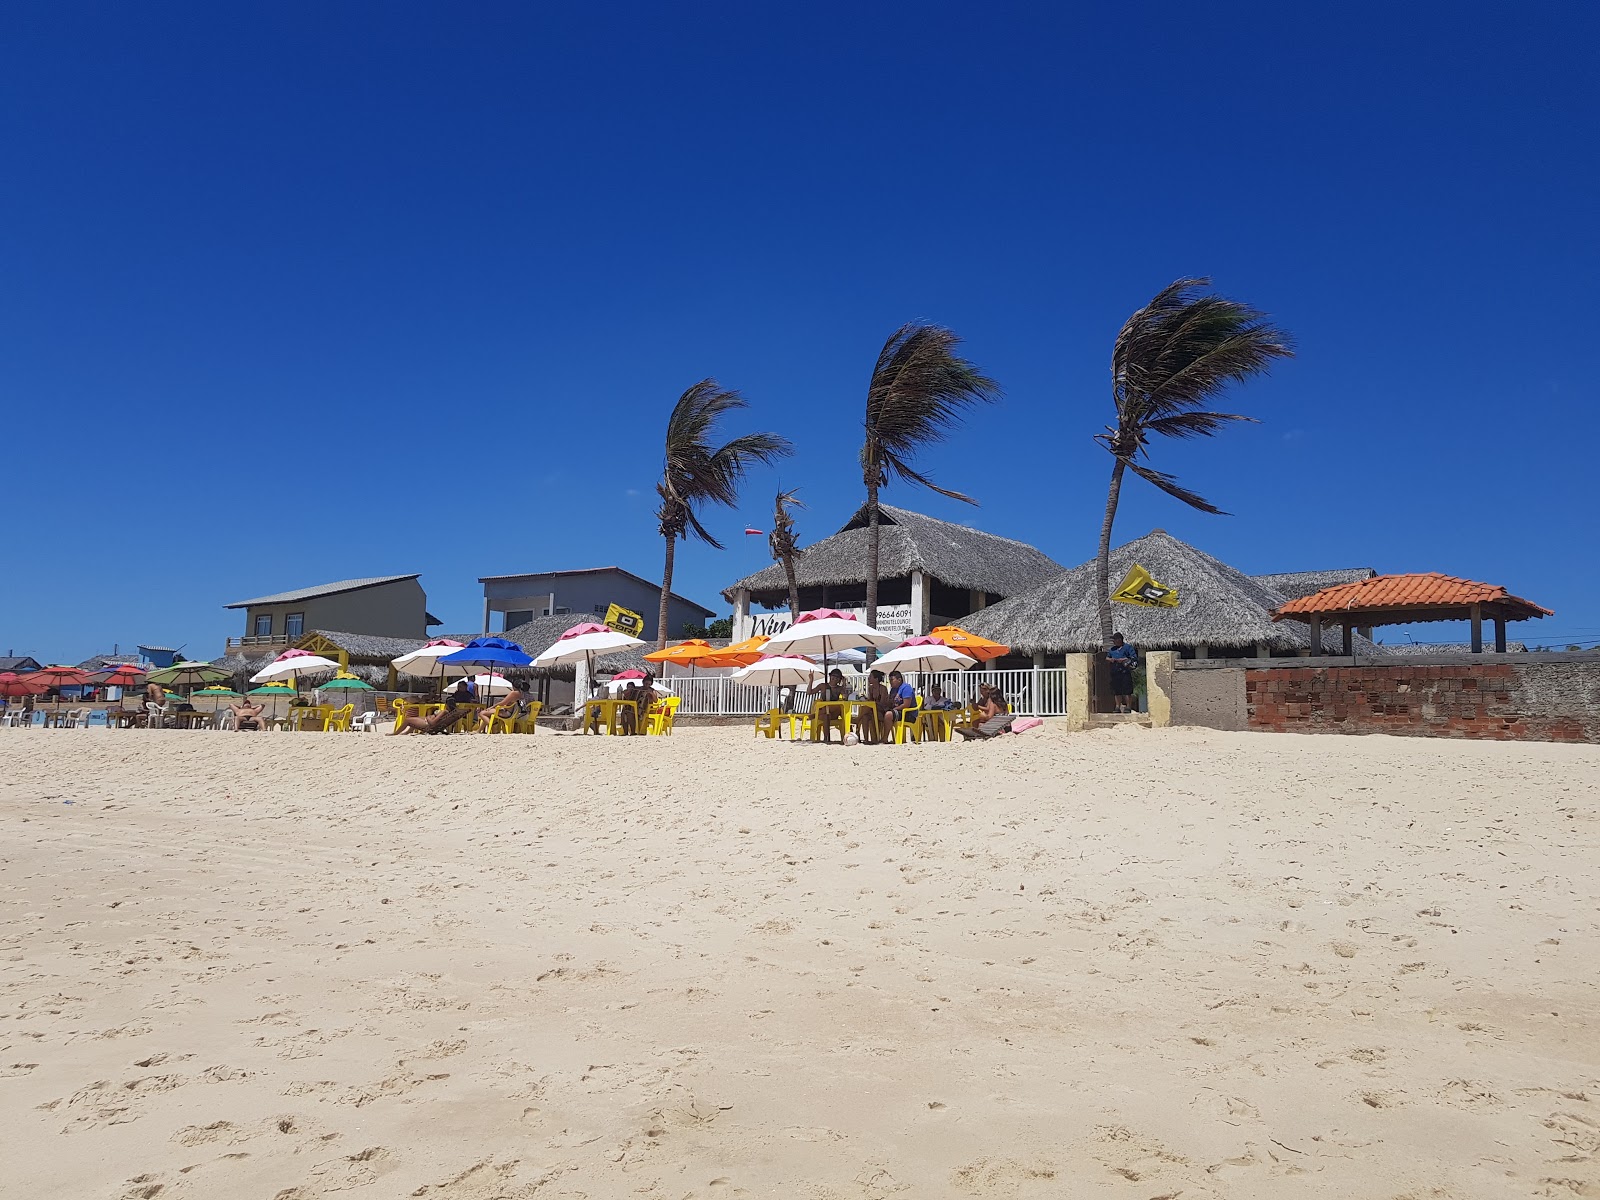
x: 15, y: 718
x: 226, y: 719
x: 367, y: 722
x: 157, y: 714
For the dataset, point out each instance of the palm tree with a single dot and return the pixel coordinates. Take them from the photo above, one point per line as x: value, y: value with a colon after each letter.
x: 1177, y: 353
x: 694, y: 473
x: 919, y: 388
x: 781, y: 539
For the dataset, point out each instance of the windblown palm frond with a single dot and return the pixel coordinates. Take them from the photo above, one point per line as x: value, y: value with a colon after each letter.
x: 695, y: 472
x: 1177, y: 353
x: 784, y: 549
x: 920, y: 388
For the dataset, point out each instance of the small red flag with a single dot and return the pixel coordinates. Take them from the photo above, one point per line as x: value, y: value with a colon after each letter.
x: 756, y: 532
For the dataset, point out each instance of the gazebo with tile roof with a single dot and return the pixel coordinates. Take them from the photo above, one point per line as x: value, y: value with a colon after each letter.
x: 1403, y: 599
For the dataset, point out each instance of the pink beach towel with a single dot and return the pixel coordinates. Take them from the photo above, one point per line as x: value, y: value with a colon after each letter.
x: 1023, y: 724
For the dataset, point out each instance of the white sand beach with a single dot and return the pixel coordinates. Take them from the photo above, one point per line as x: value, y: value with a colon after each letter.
x: 1133, y: 964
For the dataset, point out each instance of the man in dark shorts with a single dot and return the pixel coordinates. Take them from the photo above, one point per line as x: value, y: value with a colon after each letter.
x: 247, y: 715
x: 1123, y: 659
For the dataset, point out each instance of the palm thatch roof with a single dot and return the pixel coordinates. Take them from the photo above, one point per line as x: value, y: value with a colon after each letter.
x: 956, y: 555
x: 1218, y: 607
x: 375, y: 649
x: 1294, y: 584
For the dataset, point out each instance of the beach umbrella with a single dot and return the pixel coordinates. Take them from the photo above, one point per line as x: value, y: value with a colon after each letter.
x: 424, y: 661
x: 59, y: 677
x: 122, y: 675
x: 273, y: 697
x: 825, y: 631
x: 581, y: 643
x: 619, y: 682
x: 490, y: 684
x: 293, y: 662
x: 187, y: 674
x: 924, y: 654
x: 209, y: 699
x: 740, y: 654
x: 343, y: 682
x: 13, y: 685
x: 970, y: 644
x: 487, y: 652
x: 695, y: 652
x: 780, y: 670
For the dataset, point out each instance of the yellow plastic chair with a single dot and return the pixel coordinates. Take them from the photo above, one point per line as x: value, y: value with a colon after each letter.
x: 902, y: 727
x: 399, y: 707
x: 771, y: 724
x: 339, y: 719
x: 660, y: 718
x: 529, y: 722
x: 505, y: 724
x: 799, y: 723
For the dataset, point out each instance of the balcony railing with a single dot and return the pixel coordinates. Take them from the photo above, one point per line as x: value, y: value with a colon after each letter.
x: 268, y: 639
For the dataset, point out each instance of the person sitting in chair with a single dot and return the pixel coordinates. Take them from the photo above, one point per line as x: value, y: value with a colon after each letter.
x: 246, y: 714
x: 512, y: 704
x: 439, y: 722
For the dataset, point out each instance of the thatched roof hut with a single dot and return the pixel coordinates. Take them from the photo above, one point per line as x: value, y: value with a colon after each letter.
x: 946, y: 570
x: 1219, y: 608
x: 1294, y: 584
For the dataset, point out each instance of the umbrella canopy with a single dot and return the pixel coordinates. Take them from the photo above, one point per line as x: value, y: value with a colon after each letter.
x: 487, y: 652
x: 619, y: 682
x: 924, y: 654
x: 780, y: 670
x: 274, y: 697
x: 122, y: 675
x: 345, y: 683
x: 740, y: 654
x: 581, y: 643
x: 209, y: 699
x: 188, y: 674
x: 696, y: 652
x: 58, y: 677
x: 424, y: 660
x: 825, y: 630
x: 970, y: 644
x: 293, y: 662
x: 12, y: 684
x: 491, y: 685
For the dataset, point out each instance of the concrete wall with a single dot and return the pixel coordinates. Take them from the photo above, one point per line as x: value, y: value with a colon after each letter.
x: 588, y: 596
x: 1534, y: 697
x: 396, y: 609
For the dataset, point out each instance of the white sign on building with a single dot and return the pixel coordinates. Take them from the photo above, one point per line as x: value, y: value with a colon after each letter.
x: 893, y: 619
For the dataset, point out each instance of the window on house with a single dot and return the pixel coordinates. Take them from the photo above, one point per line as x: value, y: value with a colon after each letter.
x: 294, y: 625
x: 264, y: 625
x: 518, y: 616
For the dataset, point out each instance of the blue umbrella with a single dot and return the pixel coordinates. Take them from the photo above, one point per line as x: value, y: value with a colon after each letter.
x: 489, y: 652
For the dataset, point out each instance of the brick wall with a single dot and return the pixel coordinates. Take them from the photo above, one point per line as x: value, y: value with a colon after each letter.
x: 1556, y: 701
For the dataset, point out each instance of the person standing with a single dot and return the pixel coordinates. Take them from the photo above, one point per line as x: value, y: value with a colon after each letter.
x: 1123, y: 659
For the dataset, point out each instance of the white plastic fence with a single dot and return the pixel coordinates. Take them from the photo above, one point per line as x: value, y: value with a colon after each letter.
x: 1038, y: 692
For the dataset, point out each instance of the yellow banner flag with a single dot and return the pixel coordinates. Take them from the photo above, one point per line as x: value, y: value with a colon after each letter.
x: 1139, y: 588
x: 624, y: 620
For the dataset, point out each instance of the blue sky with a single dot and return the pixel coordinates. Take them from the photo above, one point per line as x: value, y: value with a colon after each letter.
x: 303, y: 292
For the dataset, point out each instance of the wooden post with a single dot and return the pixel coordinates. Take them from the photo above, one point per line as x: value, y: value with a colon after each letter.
x: 1349, y: 642
x: 1477, y: 629
x: 1500, y: 634
x: 1316, y: 634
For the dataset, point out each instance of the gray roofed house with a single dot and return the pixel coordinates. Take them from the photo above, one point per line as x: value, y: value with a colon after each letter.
x: 940, y: 570
x: 21, y: 664
x: 1219, y: 608
x: 1291, y: 585
x: 392, y: 606
x: 99, y: 662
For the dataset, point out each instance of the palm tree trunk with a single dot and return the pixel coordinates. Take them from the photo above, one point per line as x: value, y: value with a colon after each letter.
x: 872, y: 555
x: 1103, y: 562
x: 666, y: 592
x: 794, y: 587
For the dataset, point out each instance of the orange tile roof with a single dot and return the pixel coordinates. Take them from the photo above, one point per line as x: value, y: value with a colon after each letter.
x: 1426, y: 590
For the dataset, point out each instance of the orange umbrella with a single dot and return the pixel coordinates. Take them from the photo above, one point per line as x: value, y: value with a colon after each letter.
x: 740, y: 654
x: 970, y: 644
x: 696, y: 652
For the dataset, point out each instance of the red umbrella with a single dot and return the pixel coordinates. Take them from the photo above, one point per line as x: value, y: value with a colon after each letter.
x: 59, y: 677
x: 122, y: 675
x: 12, y: 684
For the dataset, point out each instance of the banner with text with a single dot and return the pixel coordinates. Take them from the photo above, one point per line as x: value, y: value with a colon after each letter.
x: 893, y: 619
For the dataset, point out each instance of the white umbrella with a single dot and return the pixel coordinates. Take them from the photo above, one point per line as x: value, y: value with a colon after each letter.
x: 778, y: 670
x: 424, y: 661
x: 491, y: 685
x: 294, y: 662
x: 924, y: 654
x: 581, y: 643
x: 826, y: 631
x: 617, y: 685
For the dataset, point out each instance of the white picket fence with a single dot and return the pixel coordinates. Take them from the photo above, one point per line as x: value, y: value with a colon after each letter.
x: 1038, y: 692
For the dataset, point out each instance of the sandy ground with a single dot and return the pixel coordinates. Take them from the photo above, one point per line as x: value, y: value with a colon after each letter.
x: 1144, y: 965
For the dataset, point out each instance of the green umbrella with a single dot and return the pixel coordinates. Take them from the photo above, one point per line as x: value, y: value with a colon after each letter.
x: 272, y: 697
x: 345, y: 683
x: 188, y: 674
x: 215, y: 694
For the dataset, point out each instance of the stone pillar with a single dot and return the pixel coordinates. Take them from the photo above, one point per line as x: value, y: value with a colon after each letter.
x: 921, y: 596
x: 581, y: 686
x: 486, y: 616
x: 741, y: 614
x: 1263, y: 650
x: 1080, y: 685
x: 1159, y: 669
